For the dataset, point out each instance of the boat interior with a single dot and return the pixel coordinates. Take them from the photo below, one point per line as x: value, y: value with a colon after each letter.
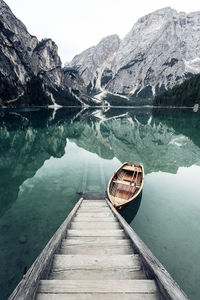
x: 126, y: 182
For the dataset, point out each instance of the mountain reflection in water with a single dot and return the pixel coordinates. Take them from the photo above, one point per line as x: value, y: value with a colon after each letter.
x: 44, y: 155
x: 159, y: 139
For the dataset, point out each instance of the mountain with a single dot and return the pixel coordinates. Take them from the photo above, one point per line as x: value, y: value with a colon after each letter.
x: 31, y: 72
x: 161, y: 50
x: 92, y: 62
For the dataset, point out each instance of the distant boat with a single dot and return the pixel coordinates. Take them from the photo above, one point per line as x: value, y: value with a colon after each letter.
x: 125, y: 184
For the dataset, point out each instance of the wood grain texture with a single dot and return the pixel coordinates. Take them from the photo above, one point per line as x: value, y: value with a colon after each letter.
x: 27, y: 287
x: 96, y: 225
x: 64, y: 262
x: 101, y: 241
x: 94, y: 218
x: 99, y: 274
x: 95, y: 260
x: 97, y: 215
x: 102, y: 238
x: 169, y: 289
x: 94, y: 296
x: 102, y: 249
x: 98, y: 232
x: 94, y: 201
x: 94, y: 204
x: 96, y: 286
x: 94, y: 210
x: 95, y: 207
x: 123, y: 182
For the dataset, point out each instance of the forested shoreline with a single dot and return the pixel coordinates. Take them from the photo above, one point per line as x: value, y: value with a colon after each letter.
x: 185, y: 94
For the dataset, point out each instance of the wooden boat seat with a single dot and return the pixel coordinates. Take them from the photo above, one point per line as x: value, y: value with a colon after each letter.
x: 128, y: 168
x: 133, y: 169
x: 120, y: 200
x: 129, y: 183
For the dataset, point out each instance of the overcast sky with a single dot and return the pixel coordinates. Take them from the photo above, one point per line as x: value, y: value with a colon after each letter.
x: 76, y: 25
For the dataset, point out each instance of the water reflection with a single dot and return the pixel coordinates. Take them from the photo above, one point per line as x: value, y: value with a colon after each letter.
x: 183, y: 121
x: 129, y: 212
x: 44, y: 155
x: 27, y: 140
x: 158, y: 139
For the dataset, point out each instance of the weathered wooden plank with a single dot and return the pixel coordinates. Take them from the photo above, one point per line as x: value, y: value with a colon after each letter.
x: 95, y: 222
x: 169, y: 289
x: 92, y: 225
x: 95, y: 207
x: 129, y: 168
x: 94, y: 204
x: 101, y: 241
x: 94, y: 296
x: 64, y: 262
x: 103, y: 238
x: 101, y: 211
x: 94, y: 218
x: 96, y: 250
x: 129, y: 183
x: 92, y: 214
x: 97, y: 232
x: 96, y: 286
x: 98, y: 274
x: 94, y: 210
x: 94, y: 201
x: 27, y: 287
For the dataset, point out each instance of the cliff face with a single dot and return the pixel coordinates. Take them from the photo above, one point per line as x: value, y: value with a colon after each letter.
x: 91, y: 63
x: 30, y: 71
x: 161, y: 50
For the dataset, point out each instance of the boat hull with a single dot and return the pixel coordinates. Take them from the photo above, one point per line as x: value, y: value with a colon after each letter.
x: 125, y: 185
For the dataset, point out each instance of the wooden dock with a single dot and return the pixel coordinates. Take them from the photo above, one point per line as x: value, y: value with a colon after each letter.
x: 96, y: 255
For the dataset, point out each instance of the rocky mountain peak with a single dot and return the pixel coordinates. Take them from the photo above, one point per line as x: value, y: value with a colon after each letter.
x: 161, y: 50
x: 92, y: 62
x: 30, y: 71
x: 45, y: 56
x: 163, y: 46
x: 16, y: 30
x: 165, y: 12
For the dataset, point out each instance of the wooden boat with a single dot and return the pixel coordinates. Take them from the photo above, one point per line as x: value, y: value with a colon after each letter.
x: 125, y: 184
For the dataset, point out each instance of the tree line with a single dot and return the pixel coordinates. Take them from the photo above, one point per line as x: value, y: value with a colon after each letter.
x: 185, y: 94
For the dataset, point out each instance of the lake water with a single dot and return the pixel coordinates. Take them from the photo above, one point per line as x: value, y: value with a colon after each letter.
x: 47, y: 158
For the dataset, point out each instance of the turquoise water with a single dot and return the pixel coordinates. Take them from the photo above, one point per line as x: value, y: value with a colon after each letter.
x: 47, y: 158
